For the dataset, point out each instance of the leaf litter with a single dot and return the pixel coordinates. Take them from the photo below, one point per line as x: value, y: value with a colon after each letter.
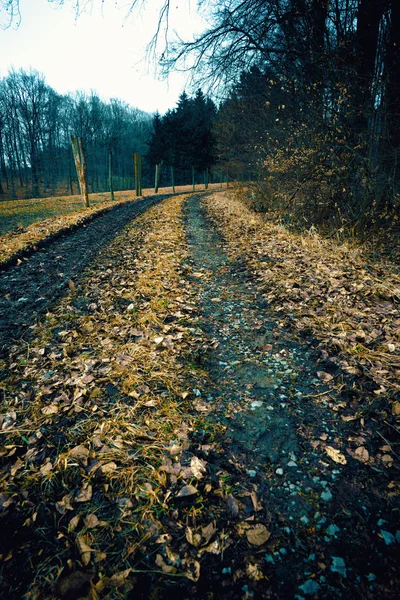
x: 151, y: 490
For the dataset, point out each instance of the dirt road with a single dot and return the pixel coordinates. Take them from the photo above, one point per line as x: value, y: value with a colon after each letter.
x: 166, y: 434
x: 27, y: 290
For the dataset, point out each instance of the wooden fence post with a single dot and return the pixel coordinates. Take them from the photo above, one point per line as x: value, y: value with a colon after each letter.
x: 80, y: 164
x: 110, y: 172
x: 158, y: 177
x: 138, y: 173
x: 172, y: 179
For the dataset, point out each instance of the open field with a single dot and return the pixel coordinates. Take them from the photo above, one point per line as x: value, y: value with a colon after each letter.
x: 19, y: 214
x: 24, y: 223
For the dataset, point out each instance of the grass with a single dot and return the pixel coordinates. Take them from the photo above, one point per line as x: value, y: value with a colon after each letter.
x: 23, y: 223
x: 90, y: 430
x: 332, y: 291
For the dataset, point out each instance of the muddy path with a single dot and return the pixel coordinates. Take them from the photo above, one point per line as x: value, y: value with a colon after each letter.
x: 28, y: 289
x: 333, y: 528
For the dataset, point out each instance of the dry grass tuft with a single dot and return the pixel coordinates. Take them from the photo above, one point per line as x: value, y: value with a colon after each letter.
x: 91, y: 410
x: 319, y: 287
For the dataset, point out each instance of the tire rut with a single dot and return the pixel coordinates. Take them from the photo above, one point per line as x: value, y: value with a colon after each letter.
x: 29, y: 289
x: 262, y: 380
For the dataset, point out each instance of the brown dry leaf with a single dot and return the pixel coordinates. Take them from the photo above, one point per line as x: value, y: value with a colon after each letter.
x: 335, y: 455
x: 79, y: 452
x: 194, y: 573
x: 361, y: 454
x: 71, y: 285
x: 91, y: 521
x: 208, y: 532
x: 46, y: 468
x: 16, y: 466
x: 52, y: 409
x: 193, y: 538
x: 387, y: 460
x: 187, y: 490
x: 8, y: 420
x: 233, y: 506
x: 73, y: 524
x: 64, y: 504
x: 84, y: 549
x: 160, y: 562
x: 258, y: 535
x: 254, y: 572
x: 396, y: 408
x: 85, y: 494
x: 116, y: 581
x: 198, y: 467
x: 108, y: 468
x: 323, y: 376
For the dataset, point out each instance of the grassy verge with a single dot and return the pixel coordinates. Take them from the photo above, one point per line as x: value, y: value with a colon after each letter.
x: 95, y: 425
x: 24, y: 223
x: 350, y: 306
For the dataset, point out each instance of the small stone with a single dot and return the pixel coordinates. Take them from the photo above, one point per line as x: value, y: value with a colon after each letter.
x: 269, y: 559
x: 332, y: 530
x: 338, y: 566
x: 310, y: 587
x: 279, y: 471
x: 326, y: 496
x: 305, y: 520
x: 251, y: 473
x: 388, y: 537
x: 371, y: 577
x: 291, y: 463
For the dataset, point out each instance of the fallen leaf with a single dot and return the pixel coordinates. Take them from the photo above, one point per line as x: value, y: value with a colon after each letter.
x: 91, y: 521
x: 187, y: 490
x: 208, y: 532
x: 194, y: 539
x: 396, y: 408
x: 52, y: 409
x: 73, y: 524
x: 194, y: 566
x: 84, y: 549
x: 64, y: 504
x: 233, y: 506
x: 85, y: 494
x: 198, y: 467
x: 361, y: 454
x: 8, y: 420
x: 80, y: 452
x: 257, y: 535
x: 336, y: 455
x: 254, y: 572
x: 117, y: 580
x: 323, y: 376
x: 46, y: 468
x: 160, y: 562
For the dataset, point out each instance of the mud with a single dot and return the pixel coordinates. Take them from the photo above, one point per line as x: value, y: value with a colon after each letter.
x: 263, y: 388
x: 30, y: 288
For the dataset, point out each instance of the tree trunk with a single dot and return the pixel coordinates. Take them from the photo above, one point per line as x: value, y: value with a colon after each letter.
x: 393, y: 83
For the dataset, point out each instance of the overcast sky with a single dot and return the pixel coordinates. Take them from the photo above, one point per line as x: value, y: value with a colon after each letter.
x: 102, y: 51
